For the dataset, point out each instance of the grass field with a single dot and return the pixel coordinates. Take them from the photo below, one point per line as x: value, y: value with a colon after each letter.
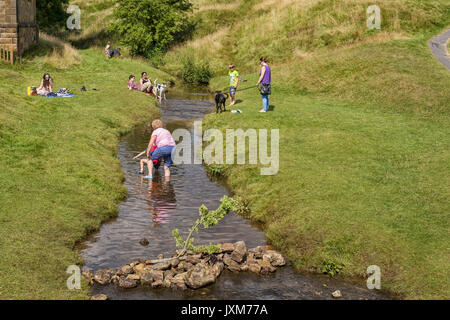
x: 59, y: 174
x: 357, y: 186
x: 364, y: 124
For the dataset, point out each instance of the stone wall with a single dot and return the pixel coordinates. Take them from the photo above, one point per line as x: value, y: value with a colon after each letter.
x: 18, y: 26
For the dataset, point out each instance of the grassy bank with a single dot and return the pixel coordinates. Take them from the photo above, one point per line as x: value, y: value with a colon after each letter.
x: 364, y: 165
x: 59, y: 174
x: 356, y: 187
x: 363, y: 119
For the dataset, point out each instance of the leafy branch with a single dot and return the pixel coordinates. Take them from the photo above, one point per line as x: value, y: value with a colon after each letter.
x: 207, y: 219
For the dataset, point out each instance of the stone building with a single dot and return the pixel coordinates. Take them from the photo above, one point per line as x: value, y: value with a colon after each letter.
x: 18, y: 28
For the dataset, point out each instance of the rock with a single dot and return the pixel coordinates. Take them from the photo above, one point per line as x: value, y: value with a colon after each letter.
x: 103, y: 277
x: 264, y: 263
x: 337, y: 294
x: 254, y: 267
x: 200, y: 276
x: 157, y: 275
x: 144, y: 242
x: 162, y: 265
x: 193, y: 259
x: 147, y: 279
x: 168, y: 275
x: 188, y: 266
x: 139, y: 267
x: 226, y: 247
x: 258, y: 251
x: 157, y: 284
x: 244, y: 267
x: 128, y: 269
x: 115, y: 279
x: 267, y: 270
x: 276, y: 259
x: 175, y: 262
x: 178, y: 282
x: 218, y: 268
x: 232, y: 265
x: 133, y: 277
x: 99, y: 297
x: 160, y: 256
x: 125, y: 283
x: 88, y: 275
x: 239, y: 251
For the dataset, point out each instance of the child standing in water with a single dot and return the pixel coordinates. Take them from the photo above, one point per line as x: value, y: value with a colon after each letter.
x: 143, y: 162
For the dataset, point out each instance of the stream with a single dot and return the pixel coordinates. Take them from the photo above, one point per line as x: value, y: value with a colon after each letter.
x: 154, y: 208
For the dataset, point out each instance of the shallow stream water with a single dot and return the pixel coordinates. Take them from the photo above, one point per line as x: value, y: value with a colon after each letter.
x: 154, y: 208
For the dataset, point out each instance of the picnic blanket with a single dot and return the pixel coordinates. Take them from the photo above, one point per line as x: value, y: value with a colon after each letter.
x: 58, y: 95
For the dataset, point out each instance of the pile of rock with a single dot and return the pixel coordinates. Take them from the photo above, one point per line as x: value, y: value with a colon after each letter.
x: 190, y: 270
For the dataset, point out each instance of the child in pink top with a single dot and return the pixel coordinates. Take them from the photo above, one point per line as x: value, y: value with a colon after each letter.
x: 133, y: 85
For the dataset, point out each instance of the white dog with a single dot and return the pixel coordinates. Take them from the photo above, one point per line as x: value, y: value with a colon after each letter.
x: 160, y: 91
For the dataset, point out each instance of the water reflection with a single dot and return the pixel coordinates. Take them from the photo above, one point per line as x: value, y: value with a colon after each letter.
x: 161, y: 199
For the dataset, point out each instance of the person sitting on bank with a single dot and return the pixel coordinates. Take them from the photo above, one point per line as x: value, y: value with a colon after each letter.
x: 108, y: 50
x: 46, y: 86
x: 115, y: 53
x: 132, y: 85
x: 165, y: 144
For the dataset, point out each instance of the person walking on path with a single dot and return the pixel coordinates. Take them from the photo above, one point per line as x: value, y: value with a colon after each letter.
x: 234, y: 81
x: 165, y: 144
x: 265, y: 80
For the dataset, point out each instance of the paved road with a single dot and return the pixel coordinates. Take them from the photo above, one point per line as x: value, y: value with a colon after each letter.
x: 438, y: 48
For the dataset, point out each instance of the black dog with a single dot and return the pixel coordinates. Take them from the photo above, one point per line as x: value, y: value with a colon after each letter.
x: 220, y: 101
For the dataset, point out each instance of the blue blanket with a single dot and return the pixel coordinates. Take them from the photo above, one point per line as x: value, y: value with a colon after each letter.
x: 58, y: 95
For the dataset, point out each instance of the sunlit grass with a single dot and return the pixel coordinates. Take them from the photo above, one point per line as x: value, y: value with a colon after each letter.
x: 59, y: 174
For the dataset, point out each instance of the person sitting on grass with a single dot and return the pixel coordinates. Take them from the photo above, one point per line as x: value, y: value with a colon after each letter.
x: 133, y: 85
x: 165, y: 144
x: 46, y: 86
x: 143, y: 162
x: 146, y: 84
x: 108, y: 50
x: 115, y: 53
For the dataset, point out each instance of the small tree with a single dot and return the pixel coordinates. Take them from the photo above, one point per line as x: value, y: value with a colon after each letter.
x: 208, y: 219
x: 149, y: 26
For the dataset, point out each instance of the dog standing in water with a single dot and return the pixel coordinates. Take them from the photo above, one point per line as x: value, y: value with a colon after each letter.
x: 160, y: 91
x: 220, y: 101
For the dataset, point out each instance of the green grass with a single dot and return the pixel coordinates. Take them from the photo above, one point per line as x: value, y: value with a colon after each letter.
x: 363, y: 182
x: 364, y: 128
x: 59, y: 174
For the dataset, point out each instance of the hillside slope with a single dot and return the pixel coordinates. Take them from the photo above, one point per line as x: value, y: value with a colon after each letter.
x: 60, y: 175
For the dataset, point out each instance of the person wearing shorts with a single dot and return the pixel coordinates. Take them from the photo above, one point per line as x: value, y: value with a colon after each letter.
x: 165, y: 144
x: 234, y: 81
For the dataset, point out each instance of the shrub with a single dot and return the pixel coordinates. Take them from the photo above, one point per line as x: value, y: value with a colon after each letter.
x: 51, y: 14
x: 151, y: 26
x: 196, y: 73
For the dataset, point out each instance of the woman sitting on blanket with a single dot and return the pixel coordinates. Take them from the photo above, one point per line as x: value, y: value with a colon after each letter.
x: 46, y: 85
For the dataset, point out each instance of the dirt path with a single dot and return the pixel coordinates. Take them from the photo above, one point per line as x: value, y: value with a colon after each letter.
x: 438, y: 46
